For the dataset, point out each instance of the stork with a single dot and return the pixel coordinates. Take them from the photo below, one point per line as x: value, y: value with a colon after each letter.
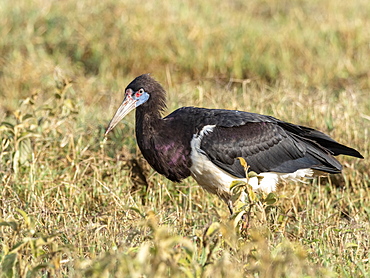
x: 206, y: 143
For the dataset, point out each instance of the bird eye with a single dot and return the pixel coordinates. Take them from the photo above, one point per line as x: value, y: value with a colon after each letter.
x: 139, y: 93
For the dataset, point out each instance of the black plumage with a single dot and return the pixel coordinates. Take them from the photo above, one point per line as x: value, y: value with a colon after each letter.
x: 266, y: 143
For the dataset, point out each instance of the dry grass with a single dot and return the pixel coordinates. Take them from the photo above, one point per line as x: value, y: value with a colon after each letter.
x: 73, y: 206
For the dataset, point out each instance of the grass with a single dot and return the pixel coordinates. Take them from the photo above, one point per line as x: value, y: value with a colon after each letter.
x: 75, y: 206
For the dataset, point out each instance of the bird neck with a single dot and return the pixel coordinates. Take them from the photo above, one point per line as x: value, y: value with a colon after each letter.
x: 149, y: 115
x: 147, y: 123
x: 149, y: 120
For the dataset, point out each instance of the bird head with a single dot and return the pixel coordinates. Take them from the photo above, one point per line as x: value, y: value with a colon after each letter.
x: 138, y: 93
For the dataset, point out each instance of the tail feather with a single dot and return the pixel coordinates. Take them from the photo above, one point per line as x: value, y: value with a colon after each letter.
x: 327, y: 162
x: 322, y: 139
x: 330, y: 144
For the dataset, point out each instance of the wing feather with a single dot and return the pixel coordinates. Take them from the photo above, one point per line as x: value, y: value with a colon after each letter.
x: 266, y: 147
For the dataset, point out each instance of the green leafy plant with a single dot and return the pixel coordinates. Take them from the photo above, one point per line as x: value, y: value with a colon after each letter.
x: 32, y: 122
x: 25, y: 240
x: 248, y: 203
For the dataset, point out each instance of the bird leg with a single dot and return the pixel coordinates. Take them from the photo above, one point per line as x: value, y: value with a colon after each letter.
x: 230, y: 206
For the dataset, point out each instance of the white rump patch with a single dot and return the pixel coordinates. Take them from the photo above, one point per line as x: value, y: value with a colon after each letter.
x: 217, y: 181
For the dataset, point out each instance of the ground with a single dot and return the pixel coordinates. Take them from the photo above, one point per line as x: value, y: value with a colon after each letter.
x: 74, y: 205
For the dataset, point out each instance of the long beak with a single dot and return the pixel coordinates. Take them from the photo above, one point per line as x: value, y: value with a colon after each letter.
x: 126, y: 106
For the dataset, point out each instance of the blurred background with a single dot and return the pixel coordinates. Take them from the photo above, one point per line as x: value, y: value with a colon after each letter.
x: 63, y: 69
x: 104, y: 44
